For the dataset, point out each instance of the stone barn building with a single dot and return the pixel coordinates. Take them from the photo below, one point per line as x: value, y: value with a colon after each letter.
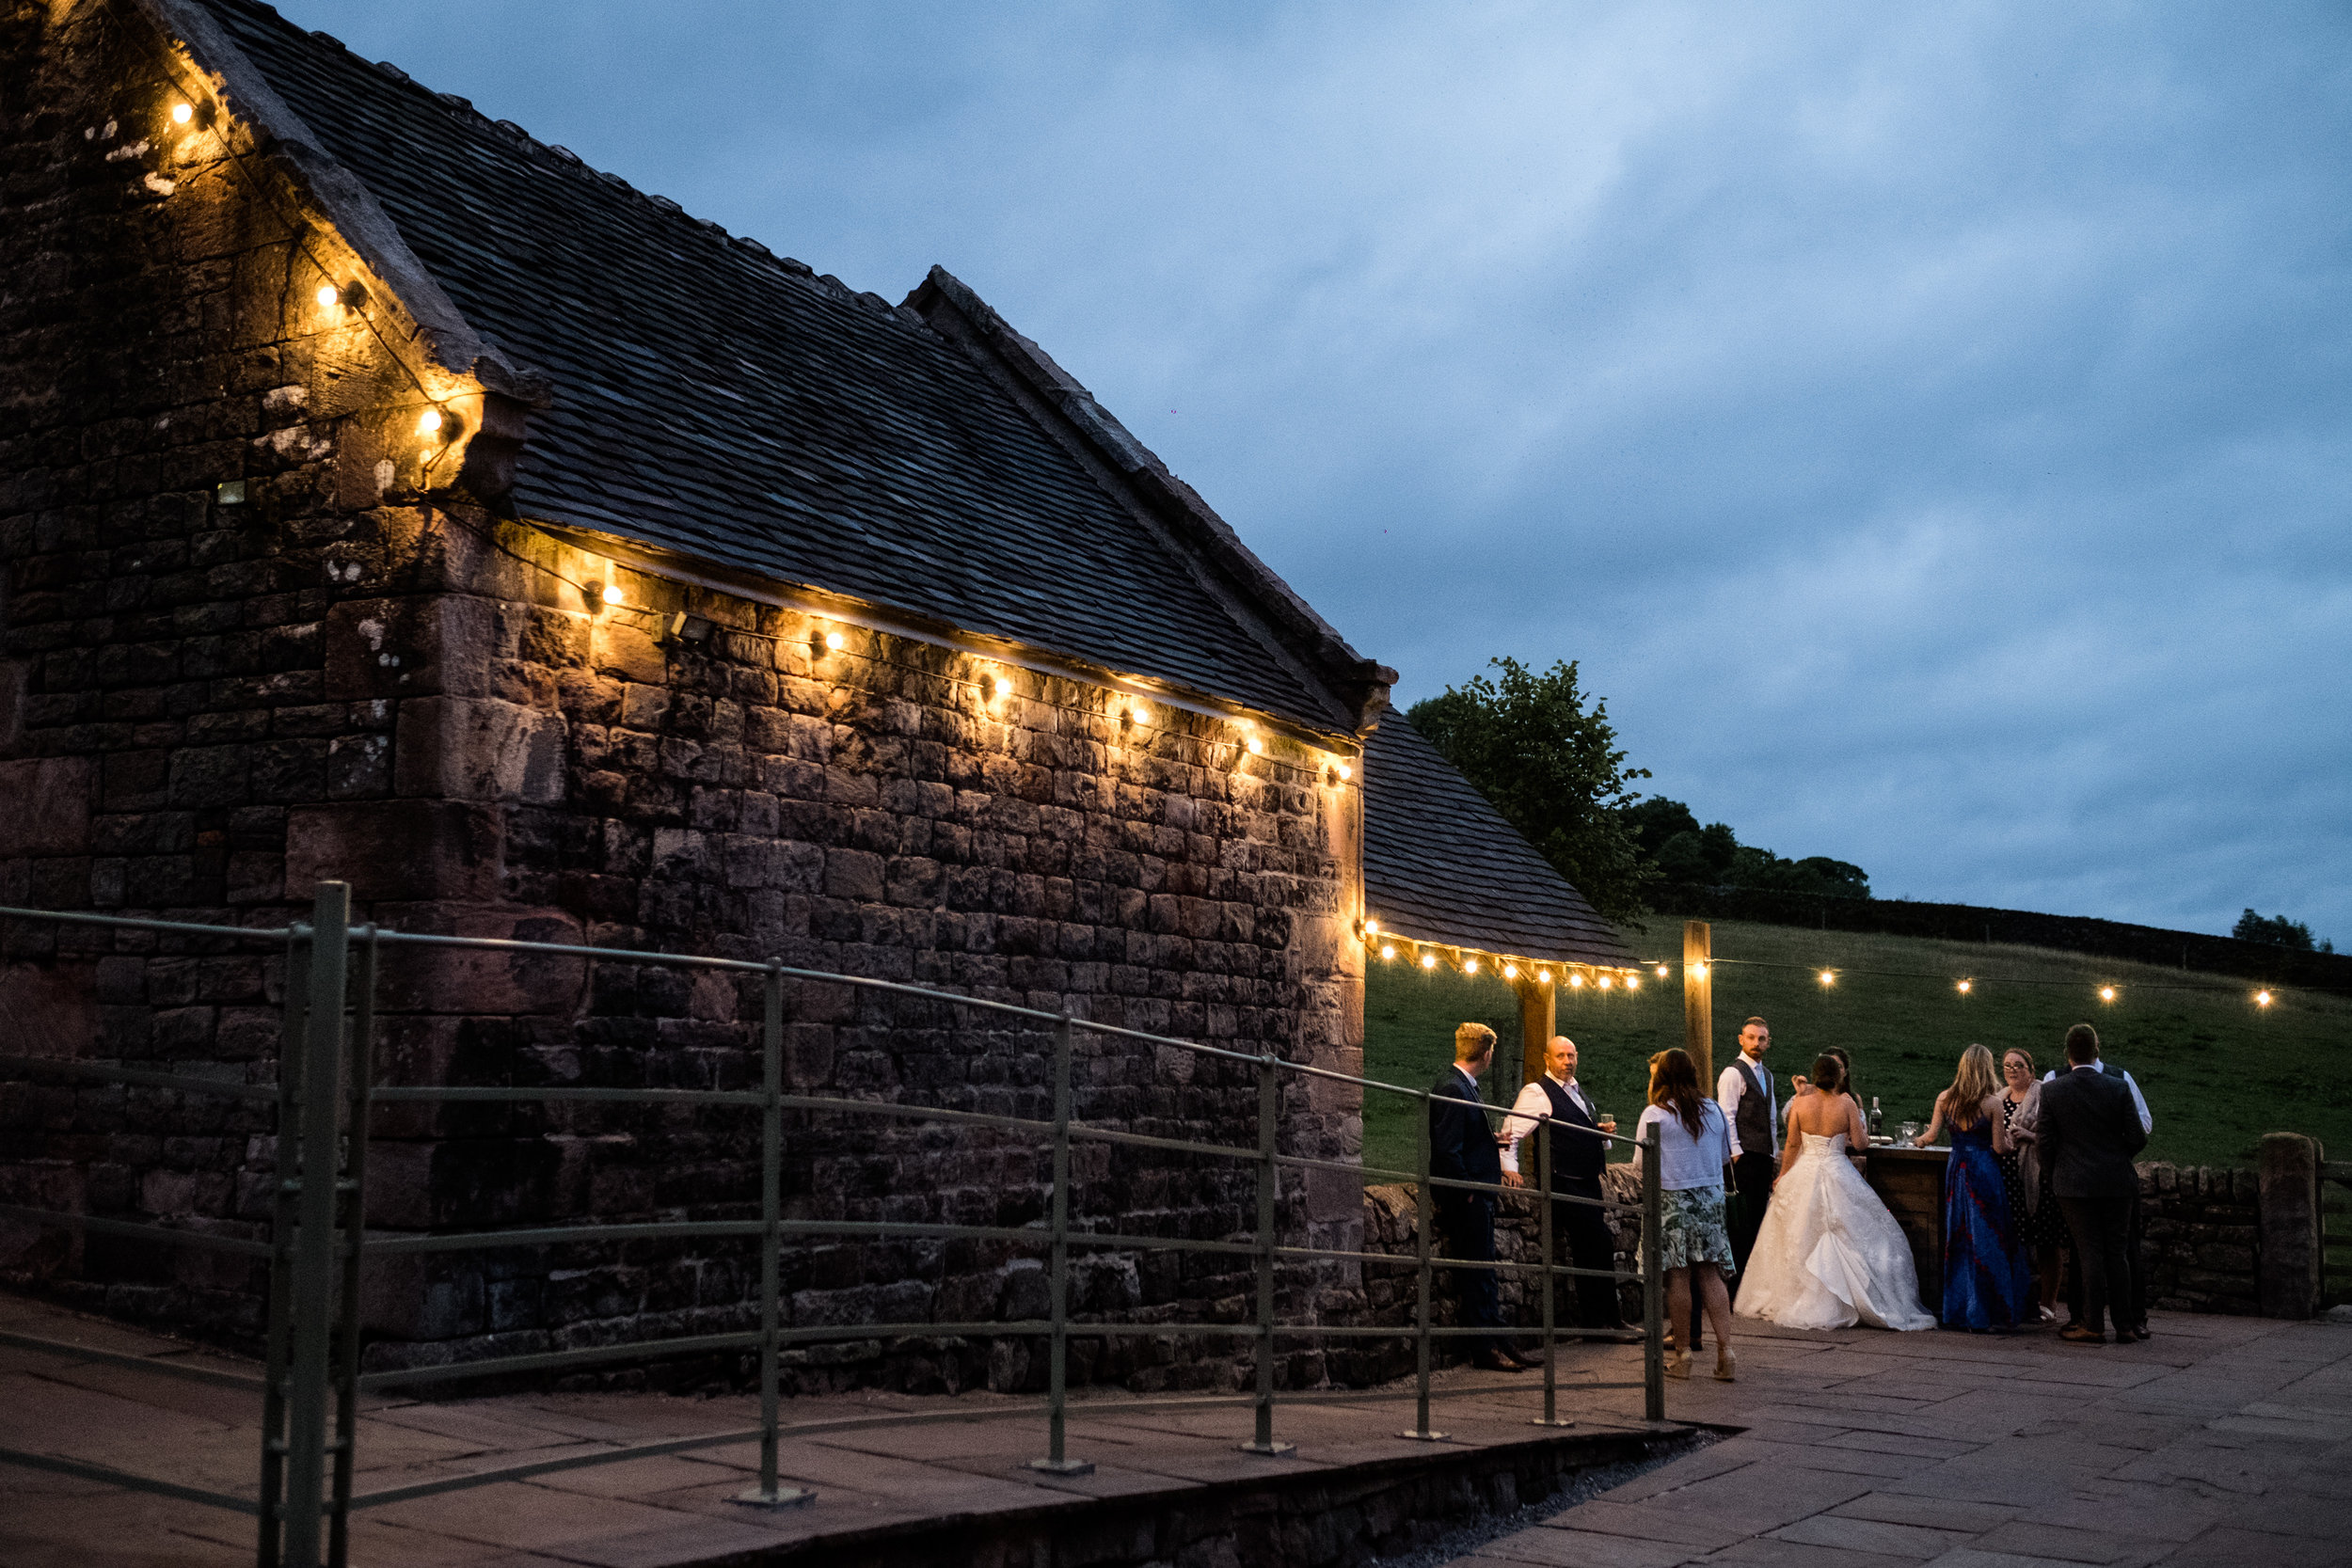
x: 388, y: 495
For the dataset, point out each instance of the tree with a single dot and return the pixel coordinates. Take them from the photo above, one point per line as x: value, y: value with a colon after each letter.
x: 1553, y: 770
x: 2277, y: 930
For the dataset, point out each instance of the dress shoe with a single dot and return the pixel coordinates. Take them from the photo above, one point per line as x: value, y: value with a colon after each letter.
x: 1727, y: 1365
x: 2140, y: 1333
x: 1527, y: 1363
x: 1679, y: 1364
x: 1496, y: 1361
x: 2082, y: 1333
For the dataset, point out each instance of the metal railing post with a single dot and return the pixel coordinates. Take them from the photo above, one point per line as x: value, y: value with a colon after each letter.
x: 768, y: 1493
x: 1057, y: 1458
x: 1269, y: 1101
x: 358, y: 1096
x: 1425, y: 1211
x: 1653, y: 1283
x: 292, y: 1047
x: 313, y: 1271
x: 1547, y: 1281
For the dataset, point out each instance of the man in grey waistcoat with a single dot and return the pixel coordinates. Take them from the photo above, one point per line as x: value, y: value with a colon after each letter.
x: 1745, y: 1092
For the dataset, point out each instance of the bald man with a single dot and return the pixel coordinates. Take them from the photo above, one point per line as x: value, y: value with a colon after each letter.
x: 1555, y: 1108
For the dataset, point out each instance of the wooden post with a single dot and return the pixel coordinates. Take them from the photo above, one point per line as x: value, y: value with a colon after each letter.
x: 1698, y: 999
x: 1538, y: 1022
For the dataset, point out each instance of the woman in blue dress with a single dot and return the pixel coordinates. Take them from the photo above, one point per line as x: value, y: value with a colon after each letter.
x: 1988, y: 1280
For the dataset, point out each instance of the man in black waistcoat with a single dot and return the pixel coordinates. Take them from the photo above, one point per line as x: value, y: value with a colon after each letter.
x: 1554, y: 1107
x: 2088, y: 1132
x: 2126, y: 1304
x: 1462, y: 1148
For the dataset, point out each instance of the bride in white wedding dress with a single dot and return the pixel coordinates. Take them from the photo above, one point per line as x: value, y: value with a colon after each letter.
x: 1829, y: 1255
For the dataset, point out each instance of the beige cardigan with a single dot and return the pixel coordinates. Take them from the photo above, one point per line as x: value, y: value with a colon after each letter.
x: 2024, y: 1129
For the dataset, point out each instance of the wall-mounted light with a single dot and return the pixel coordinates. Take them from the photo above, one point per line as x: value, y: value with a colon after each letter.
x: 682, y: 627
x: 613, y: 593
x: 1137, y: 713
x: 1004, y: 686
x: 1257, y: 747
x: 1372, y: 928
x: 327, y: 296
x: 182, y: 113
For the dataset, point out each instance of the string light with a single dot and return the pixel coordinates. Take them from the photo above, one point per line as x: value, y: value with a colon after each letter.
x: 835, y: 641
x: 1257, y: 747
x: 1139, y: 713
x: 1469, y: 966
x: 429, y: 422
x: 1387, y: 950
x: 1544, y: 977
x: 1633, y: 982
x: 1429, y: 960
x: 1345, y: 772
x: 1699, y: 972
x: 1967, y: 986
x: 1828, y: 977
x: 1510, y: 972
x: 2262, y: 999
x: 1577, y: 980
x: 1372, y: 928
x: 182, y: 114
x: 1662, y: 972
x: 2107, y: 993
x: 1604, y: 982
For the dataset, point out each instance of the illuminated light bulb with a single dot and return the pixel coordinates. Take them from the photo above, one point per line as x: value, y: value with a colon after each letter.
x: 835, y: 641
x: 1544, y: 977
x: 2262, y: 999
x: 613, y: 593
x: 1510, y: 972
x: 1372, y: 928
x: 1345, y: 772
x: 1137, y: 712
x: 1828, y: 978
x: 1387, y: 950
x: 1662, y: 972
x: 2107, y: 993
x: 1699, y: 972
x: 326, y: 295
x: 429, y: 422
x: 1429, y: 960
x: 1577, y: 980
x: 1257, y: 747
x: 1633, y: 982
x: 1967, y: 986
x: 182, y: 114
x: 1604, y: 982
x: 1469, y: 966
x: 1004, y: 686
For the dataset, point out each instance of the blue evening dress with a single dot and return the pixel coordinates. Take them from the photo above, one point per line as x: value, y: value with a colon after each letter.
x: 1988, y: 1280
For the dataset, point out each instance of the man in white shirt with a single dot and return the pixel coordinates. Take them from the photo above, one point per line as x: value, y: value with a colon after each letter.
x: 1745, y: 1092
x: 1556, y: 1101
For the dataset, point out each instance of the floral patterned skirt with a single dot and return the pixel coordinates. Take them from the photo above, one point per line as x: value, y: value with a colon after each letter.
x: 1690, y: 1229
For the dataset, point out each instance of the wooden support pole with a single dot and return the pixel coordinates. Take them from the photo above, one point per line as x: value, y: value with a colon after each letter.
x: 1698, y: 999
x: 1538, y: 1022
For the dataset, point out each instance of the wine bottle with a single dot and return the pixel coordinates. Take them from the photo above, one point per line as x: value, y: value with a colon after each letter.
x: 1878, y: 1118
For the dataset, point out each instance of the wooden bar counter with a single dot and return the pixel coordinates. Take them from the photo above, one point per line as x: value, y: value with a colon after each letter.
x: 1910, y: 1181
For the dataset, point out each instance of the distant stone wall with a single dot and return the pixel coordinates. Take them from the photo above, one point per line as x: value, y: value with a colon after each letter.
x: 2201, y: 1238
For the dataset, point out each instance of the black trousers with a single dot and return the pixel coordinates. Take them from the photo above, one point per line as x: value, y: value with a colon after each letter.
x: 2102, y: 1228
x: 1467, y: 1221
x: 2127, y: 1293
x: 1754, y: 1174
x: 1581, y: 1239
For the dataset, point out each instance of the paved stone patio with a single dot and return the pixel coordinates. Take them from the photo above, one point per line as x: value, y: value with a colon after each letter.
x: 2221, y: 1441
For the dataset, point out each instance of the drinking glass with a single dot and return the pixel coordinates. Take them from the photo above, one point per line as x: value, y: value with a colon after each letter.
x: 1910, y: 1131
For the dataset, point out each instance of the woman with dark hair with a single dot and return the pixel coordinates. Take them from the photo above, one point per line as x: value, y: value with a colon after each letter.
x: 1986, y: 1282
x: 1693, y: 1244
x: 1830, y: 1255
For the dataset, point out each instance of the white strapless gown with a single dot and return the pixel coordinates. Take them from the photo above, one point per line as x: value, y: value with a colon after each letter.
x: 1830, y: 1255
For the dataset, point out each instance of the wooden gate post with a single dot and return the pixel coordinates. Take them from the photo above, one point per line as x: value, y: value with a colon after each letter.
x: 1538, y: 1022
x: 1698, y: 1000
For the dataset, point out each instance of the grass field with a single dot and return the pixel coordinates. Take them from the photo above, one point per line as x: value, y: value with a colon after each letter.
x: 2218, y: 1072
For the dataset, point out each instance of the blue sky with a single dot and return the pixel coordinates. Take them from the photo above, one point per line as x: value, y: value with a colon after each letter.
x: 1930, y: 427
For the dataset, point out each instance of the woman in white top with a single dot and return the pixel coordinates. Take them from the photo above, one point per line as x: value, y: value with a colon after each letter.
x: 1693, y: 1146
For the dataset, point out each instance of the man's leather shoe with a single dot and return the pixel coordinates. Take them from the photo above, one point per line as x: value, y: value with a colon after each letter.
x: 1496, y: 1361
x: 1527, y: 1363
x: 2138, y: 1332
x: 2082, y: 1333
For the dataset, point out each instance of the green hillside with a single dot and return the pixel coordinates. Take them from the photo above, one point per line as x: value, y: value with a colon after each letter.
x: 2218, y: 1072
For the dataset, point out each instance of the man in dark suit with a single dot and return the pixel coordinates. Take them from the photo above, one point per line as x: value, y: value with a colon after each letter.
x: 1462, y: 1147
x: 1555, y: 1108
x: 2090, y: 1130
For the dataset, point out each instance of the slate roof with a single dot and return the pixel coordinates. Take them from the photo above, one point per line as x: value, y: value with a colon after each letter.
x: 1441, y: 866
x: 715, y: 401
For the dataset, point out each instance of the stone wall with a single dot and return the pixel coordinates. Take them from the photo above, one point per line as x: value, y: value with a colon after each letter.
x: 254, y: 635
x: 2202, y: 1236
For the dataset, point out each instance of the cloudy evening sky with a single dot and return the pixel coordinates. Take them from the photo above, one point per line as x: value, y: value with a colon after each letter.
x: 1931, y: 428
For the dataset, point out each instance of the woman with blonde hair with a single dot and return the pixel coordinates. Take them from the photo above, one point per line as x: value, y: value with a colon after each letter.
x: 1988, y: 1282
x: 1693, y: 1245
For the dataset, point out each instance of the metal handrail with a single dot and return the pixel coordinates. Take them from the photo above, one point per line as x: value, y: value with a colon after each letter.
x: 319, y: 1243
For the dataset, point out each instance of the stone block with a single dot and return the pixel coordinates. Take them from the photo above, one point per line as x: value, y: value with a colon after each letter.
x: 398, y: 850
x: 2292, y: 1253
x: 479, y: 748
x: 44, y: 806
x: 425, y: 645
